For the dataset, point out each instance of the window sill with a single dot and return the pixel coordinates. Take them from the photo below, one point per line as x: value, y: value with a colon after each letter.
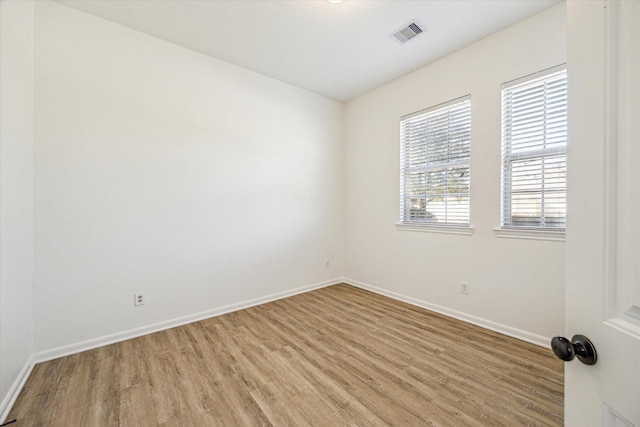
x: 430, y: 228
x: 531, y: 234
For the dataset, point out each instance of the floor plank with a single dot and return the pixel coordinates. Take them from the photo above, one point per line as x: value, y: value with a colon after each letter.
x: 335, y: 356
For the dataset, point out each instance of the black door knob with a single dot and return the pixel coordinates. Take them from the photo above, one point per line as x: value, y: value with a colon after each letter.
x: 579, y: 347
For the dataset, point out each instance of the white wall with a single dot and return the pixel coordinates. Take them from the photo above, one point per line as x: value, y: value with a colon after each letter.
x: 158, y: 169
x: 518, y: 284
x: 205, y: 185
x: 16, y: 196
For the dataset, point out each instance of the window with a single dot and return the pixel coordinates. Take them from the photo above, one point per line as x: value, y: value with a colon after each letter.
x: 534, y: 151
x: 434, y: 171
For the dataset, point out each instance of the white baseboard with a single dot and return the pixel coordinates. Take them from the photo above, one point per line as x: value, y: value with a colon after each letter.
x: 168, y: 324
x: 16, y: 388
x: 478, y: 321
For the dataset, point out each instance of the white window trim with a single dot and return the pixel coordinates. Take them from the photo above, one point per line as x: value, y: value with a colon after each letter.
x: 530, y: 234
x: 435, y: 228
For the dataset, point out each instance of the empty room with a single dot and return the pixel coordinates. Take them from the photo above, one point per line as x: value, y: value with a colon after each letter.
x: 319, y: 212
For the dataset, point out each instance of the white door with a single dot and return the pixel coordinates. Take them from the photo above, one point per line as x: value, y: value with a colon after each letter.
x: 603, y: 232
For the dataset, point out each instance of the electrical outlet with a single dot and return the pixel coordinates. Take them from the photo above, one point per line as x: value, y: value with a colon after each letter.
x: 138, y: 299
x: 327, y: 263
x: 464, y: 288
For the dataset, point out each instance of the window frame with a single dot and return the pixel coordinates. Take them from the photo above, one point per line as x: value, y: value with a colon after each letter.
x: 539, y: 151
x: 458, y: 157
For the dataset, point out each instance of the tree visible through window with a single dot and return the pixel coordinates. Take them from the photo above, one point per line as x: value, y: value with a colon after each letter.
x: 435, y: 159
x: 534, y: 151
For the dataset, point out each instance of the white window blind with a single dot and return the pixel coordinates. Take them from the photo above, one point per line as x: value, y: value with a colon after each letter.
x: 534, y: 151
x: 435, y: 149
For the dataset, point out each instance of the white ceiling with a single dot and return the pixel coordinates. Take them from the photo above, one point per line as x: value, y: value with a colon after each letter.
x: 337, y: 50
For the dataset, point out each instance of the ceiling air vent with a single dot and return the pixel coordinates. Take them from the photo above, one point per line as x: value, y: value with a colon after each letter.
x: 407, y: 32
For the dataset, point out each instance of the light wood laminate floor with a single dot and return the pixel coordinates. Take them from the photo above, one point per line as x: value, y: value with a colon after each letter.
x: 331, y: 357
